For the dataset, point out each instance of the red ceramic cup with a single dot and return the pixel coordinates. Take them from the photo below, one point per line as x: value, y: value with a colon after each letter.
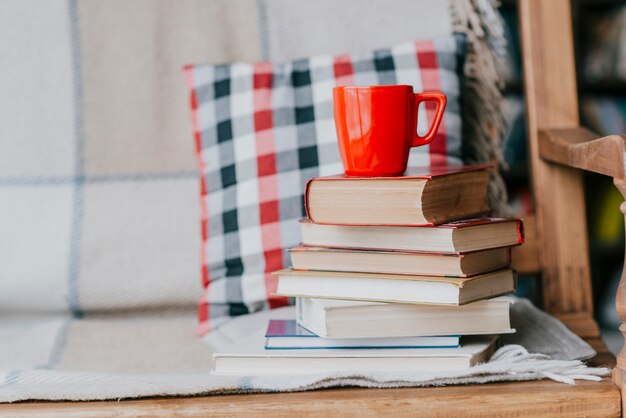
x: 377, y: 126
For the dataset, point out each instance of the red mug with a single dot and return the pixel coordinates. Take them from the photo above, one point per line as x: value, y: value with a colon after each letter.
x: 377, y: 126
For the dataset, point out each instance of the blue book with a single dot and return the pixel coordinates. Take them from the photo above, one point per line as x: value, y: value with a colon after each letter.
x: 288, y: 335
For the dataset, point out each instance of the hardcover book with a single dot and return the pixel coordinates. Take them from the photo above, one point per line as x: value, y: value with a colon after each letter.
x: 255, y: 360
x: 454, y: 237
x: 400, y: 262
x: 288, y: 335
x: 398, y: 288
x: 335, y: 318
x: 423, y: 196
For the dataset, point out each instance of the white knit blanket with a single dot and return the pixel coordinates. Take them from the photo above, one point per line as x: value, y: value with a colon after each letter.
x: 109, y: 358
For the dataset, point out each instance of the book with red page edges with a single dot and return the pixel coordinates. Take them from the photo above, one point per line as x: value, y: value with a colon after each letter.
x: 453, y: 237
x: 423, y: 196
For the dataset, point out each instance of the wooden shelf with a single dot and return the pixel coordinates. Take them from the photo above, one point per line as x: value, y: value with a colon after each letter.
x: 510, y: 399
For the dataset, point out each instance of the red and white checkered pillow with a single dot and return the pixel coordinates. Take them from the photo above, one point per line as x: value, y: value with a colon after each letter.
x: 262, y: 130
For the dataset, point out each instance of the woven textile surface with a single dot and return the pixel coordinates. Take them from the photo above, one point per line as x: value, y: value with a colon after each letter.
x: 98, y: 173
x: 99, y: 233
x: 112, y: 358
x: 264, y: 129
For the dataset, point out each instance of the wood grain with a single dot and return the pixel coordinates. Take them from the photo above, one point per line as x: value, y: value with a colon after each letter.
x: 543, y: 398
x: 581, y: 148
x: 604, y: 358
x: 525, y: 258
x: 551, y: 100
x: 580, y: 324
x: 619, y: 372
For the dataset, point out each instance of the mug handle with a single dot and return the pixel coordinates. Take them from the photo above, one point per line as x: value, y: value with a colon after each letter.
x: 440, y: 99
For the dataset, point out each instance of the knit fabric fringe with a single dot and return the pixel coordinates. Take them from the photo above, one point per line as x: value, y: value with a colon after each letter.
x: 515, y: 360
x: 484, y: 124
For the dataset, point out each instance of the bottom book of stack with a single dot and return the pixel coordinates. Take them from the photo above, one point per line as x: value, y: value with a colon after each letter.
x: 253, y: 360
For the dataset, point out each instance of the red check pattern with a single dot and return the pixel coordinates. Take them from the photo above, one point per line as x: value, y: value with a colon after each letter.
x: 269, y: 211
x: 427, y: 61
x: 262, y: 130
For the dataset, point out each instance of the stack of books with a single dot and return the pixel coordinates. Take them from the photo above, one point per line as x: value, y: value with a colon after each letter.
x: 393, y: 274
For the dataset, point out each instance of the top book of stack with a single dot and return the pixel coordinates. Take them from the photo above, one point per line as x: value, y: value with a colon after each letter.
x: 423, y: 196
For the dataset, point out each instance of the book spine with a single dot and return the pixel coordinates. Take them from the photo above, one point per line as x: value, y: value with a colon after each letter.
x: 307, y: 188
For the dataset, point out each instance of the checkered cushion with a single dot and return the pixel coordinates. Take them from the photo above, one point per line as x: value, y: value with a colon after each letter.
x: 262, y: 130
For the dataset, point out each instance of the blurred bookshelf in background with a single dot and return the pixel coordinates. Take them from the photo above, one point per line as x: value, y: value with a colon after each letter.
x: 599, y: 28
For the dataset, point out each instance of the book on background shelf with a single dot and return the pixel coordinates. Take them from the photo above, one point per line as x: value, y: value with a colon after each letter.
x: 398, y: 288
x: 514, y: 143
x: 255, y: 359
x: 605, y: 115
x: 423, y: 196
x: 288, y: 335
x: 400, y: 262
x: 334, y: 318
x: 604, y: 49
x: 512, y: 57
x: 453, y: 237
